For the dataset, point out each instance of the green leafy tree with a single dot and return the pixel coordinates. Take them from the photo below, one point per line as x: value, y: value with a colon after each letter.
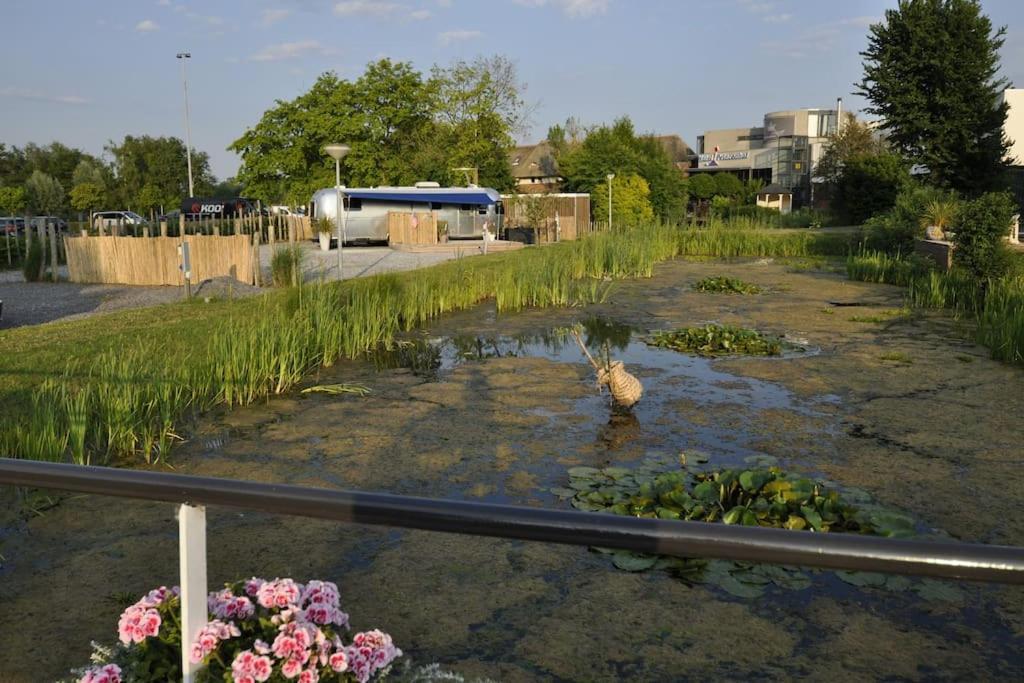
x: 44, y: 193
x: 631, y: 201
x: 585, y: 160
x: 702, y: 186
x: 930, y: 73
x: 980, y: 235
x: 12, y: 200
x: 853, y: 139
x: 727, y: 185
x: 160, y: 163
x: 87, y: 197
x: 869, y: 185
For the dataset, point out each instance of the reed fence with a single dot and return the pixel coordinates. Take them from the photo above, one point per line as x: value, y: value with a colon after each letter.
x: 566, y: 215
x: 156, y: 261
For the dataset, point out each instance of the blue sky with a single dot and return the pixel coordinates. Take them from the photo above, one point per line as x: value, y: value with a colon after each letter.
x: 84, y: 72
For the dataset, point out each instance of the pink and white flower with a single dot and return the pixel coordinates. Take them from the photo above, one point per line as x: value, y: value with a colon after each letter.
x: 209, y: 637
x: 111, y: 673
x: 278, y: 593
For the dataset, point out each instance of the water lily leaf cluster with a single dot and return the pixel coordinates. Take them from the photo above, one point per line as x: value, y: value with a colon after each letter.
x: 717, y: 340
x: 763, y: 495
x: 726, y: 285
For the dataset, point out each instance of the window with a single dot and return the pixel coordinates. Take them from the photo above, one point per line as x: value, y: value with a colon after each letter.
x: 515, y: 162
x: 353, y: 204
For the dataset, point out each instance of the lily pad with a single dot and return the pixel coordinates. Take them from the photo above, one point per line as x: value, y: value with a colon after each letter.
x: 562, y: 492
x: 862, y: 579
x: 633, y: 562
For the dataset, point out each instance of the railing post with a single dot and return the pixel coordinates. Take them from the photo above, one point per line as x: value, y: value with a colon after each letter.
x: 192, y: 553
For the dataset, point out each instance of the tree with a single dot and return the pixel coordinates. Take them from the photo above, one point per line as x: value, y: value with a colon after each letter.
x: 702, y: 186
x: 869, y: 185
x: 160, y: 164
x: 44, y: 193
x: 87, y: 197
x: 631, y: 205
x: 728, y: 185
x: 12, y: 200
x: 586, y: 161
x: 852, y: 138
x: 930, y: 73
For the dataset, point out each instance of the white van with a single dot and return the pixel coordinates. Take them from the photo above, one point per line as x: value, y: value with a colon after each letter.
x: 111, y: 219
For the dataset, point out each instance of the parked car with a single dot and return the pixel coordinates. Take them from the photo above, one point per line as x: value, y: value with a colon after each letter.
x: 110, y: 219
x: 42, y: 221
x: 12, y: 225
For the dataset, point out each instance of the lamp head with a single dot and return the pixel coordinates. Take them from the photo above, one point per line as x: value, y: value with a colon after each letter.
x: 337, y: 152
x: 184, y: 55
x: 610, y: 177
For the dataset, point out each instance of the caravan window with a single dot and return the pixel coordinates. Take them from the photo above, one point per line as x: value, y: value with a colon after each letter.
x: 352, y: 204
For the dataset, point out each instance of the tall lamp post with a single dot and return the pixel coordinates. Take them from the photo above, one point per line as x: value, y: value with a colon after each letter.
x: 188, y: 129
x: 611, y: 176
x: 338, y: 152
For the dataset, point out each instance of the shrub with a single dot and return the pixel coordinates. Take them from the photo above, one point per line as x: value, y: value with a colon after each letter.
x: 286, y: 266
x: 869, y: 185
x: 33, y: 260
x: 728, y: 185
x: 939, y: 213
x: 894, y: 230
x: 979, y: 237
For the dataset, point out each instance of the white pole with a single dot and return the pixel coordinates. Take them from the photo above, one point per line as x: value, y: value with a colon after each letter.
x: 192, y: 556
x: 337, y: 215
x: 610, y: 177
x: 188, y: 128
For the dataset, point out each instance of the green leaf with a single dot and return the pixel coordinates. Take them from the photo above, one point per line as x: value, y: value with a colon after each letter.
x: 812, y: 517
x: 862, y: 579
x: 734, y: 586
x: 582, y: 472
x: 735, y: 515
x: 633, y: 562
x: 939, y: 591
x: 753, y: 480
x: 562, y: 492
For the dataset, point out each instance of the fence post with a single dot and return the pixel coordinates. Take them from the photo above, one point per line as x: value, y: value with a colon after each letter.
x: 42, y: 247
x: 53, y: 252
x: 163, y: 227
x: 256, y: 274
x: 192, y: 556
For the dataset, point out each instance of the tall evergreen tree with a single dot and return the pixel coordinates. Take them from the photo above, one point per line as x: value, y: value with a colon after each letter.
x: 930, y: 72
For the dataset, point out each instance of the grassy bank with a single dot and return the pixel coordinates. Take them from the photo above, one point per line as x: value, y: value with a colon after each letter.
x: 997, y: 306
x: 112, y: 389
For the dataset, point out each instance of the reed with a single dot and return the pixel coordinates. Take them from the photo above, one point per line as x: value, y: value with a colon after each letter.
x: 124, y: 404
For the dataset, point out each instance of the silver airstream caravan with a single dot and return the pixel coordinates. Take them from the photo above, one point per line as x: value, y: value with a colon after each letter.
x: 467, y: 210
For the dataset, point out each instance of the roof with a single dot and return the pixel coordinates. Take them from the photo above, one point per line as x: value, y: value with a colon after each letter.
x: 533, y: 161
x: 775, y: 188
x: 442, y: 195
x: 676, y: 148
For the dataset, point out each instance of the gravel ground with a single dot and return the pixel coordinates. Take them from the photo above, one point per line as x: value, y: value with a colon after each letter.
x: 32, y: 303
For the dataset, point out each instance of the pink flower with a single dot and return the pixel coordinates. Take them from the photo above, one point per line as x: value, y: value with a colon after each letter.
x: 320, y: 592
x: 338, y: 661
x: 309, y: 676
x: 261, y: 647
x: 247, y: 665
x: 278, y: 593
x: 225, y: 605
x: 252, y: 586
x: 138, y: 623
x: 291, y: 668
x: 111, y: 673
x: 209, y: 636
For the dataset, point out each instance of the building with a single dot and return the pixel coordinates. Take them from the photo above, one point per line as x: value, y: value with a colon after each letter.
x: 1013, y: 127
x: 782, y: 151
x: 535, y: 170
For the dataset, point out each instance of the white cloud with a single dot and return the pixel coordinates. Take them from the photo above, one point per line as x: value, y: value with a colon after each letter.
x: 373, y: 8
x: 282, y: 51
x: 457, y: 36
x: 19, y: 93
x: 817, y: 39
x: 776, y: 18
x: 146, y: 25
x: 571, y: 8
x: 757, y: 6
x: 272, y: 16
x: 420, y: 14
x: 163, y: 3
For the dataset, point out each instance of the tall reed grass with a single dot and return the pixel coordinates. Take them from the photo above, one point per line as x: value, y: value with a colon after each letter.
x: 996, y: 305
x: 123, y: 405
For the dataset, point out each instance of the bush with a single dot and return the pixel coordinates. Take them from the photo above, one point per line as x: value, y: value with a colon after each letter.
x: 286, y: 266
x: 33, y: 260
x: 869, y: 185
x: 983, y: 223
x: 894, y: 231
x: 728, y: 185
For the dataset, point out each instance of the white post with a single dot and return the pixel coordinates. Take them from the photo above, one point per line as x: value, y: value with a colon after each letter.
x: 192, y: 553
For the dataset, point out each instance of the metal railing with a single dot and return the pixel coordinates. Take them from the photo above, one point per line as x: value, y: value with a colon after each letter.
x: 972, y: 562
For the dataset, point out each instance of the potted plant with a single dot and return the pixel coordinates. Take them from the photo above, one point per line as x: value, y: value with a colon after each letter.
x: 324, y: 228
x: 938, y: 215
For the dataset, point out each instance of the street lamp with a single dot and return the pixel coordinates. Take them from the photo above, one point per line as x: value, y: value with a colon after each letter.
x: 338, y: 152
x: 610, y: 177
x: 188, y: 130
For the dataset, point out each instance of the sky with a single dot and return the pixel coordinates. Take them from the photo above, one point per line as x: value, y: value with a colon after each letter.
x: 84, y: 72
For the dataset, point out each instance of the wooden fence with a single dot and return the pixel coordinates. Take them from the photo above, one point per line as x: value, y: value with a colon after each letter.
x: 155, y: 260
x: 412, y: 228
x: 572, y: 212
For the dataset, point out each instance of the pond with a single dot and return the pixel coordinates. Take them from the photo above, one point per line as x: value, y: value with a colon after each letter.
x: 482, y: 407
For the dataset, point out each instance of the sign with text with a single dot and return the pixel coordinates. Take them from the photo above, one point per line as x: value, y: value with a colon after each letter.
x: 713, y: 159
